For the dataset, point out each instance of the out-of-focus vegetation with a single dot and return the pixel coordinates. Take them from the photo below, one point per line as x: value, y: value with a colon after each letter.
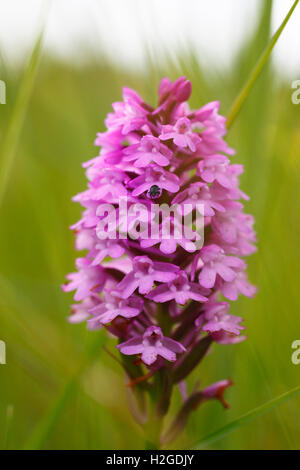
x: 59, y: 388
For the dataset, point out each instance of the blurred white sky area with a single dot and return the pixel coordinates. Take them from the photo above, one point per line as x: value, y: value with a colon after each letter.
x: 126, y: 29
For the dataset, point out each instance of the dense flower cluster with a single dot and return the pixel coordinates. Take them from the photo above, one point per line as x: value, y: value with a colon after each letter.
x: 161, y: 297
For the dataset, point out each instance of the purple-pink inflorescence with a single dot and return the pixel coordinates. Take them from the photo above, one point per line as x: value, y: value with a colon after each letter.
x: 161, y: 298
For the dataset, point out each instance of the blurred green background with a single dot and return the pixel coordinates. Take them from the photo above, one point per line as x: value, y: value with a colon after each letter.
x: 59, y: 388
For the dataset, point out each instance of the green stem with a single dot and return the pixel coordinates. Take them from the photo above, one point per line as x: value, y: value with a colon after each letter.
x: 153, y: 426
x: 153, y: 429
x: 237, y: 105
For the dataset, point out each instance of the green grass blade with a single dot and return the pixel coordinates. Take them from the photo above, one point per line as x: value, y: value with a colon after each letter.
x: 237, y: 105
x: 8, y: 426
x: 246, y: 418
x: 14, y: 127
x: 46, y: 426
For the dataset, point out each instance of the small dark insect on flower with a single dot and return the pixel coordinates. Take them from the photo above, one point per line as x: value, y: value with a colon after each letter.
x: 154, y: 192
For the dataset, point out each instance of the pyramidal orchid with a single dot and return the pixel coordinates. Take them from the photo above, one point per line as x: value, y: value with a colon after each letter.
x: 163, y: 291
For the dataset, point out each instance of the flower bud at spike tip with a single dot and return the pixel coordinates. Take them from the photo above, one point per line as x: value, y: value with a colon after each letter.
x: 184, y: 91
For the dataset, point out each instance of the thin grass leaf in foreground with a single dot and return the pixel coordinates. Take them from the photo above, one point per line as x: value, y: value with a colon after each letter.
x: 237, y: 105
x: 14, y: 127
x: 246, y: 418
x: 46, y: 426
